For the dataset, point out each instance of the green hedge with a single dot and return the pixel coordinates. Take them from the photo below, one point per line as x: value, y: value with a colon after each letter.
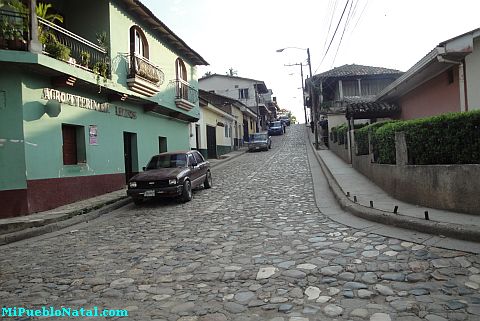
x: 342, y: 133
x: 361, y: 135
x: 452, y: 138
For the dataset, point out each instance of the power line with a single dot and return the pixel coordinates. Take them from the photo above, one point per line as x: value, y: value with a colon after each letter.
x: 344, y: 28
x: 330, y: 24
x: 336, y: 29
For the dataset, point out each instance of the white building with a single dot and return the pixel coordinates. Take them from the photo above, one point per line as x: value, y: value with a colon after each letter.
x: 253, y: 93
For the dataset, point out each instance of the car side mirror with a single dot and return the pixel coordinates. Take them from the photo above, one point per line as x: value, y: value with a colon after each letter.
x: 269, y: 137
x: 144, y: 168
x: 193, y: 164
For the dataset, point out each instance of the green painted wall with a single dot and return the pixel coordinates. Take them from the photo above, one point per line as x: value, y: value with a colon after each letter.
x: 44, y: 133
x: 160, y: 55
x: 223, y: 150
x: 12, y: 153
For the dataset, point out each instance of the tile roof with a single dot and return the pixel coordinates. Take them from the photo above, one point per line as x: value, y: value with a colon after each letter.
x: 356, y: 70
x: 366, y: 110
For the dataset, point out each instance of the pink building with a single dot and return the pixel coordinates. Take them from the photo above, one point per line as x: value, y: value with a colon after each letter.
x: 445, y: 80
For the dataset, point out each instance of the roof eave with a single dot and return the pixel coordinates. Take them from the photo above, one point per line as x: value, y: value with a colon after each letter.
x: 164, y: 32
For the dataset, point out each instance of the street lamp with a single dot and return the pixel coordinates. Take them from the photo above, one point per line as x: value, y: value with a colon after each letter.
x: 310, y: 70
x: 302, y: 88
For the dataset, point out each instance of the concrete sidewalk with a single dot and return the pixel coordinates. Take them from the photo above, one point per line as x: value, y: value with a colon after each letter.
x: 343, y: 178
x: 22, y: 227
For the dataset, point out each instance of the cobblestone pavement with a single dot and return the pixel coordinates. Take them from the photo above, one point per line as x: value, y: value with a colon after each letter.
x: 255, y: 247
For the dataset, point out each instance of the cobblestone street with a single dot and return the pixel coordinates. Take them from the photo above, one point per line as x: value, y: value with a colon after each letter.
x: 254, y: 247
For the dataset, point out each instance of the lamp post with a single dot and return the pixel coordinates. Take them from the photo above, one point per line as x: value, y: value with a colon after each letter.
x: 314, y: 114
x: 303, y: 90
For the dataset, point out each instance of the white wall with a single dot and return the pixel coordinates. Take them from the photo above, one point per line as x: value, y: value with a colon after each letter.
x: 473, y: 76
x: 226, y: 87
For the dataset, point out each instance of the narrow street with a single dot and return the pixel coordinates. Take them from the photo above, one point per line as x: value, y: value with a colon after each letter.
x: 255, y: 247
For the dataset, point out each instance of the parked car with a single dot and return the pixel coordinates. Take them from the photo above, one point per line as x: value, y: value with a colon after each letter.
x: 172, y: 174
x: 285, y: 119
x: 259, y: 141
x: 276, y: 128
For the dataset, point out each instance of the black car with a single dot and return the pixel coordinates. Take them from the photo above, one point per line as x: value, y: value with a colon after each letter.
x: 172, y: 174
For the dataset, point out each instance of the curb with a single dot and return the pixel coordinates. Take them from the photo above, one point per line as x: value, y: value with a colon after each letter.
x: 60, y: 224
x: 453, y: 230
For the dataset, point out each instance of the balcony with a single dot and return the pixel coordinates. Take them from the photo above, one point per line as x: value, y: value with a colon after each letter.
x: 143, y: 77
x: 67, y: 46
x: 186, y: 96
x: 13, y: 30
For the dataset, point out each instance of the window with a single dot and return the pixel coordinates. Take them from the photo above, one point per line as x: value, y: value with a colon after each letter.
x: 73, y: 144
x: 138, y: 42
x: 226, y: 130
x: 182, y: 85
x: 198, y: 157
x: 243, y: 93
x: 190, y: 160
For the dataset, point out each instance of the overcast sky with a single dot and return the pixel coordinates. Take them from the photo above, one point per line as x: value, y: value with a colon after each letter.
x: 245, y: 35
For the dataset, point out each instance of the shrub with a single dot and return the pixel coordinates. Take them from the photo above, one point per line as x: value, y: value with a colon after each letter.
x: 452, y: 138
x: 342, y: 133
x: 361, y: 136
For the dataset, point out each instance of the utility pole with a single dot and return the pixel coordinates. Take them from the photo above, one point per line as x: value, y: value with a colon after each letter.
x: 303, y: 90
x: 314, y: 108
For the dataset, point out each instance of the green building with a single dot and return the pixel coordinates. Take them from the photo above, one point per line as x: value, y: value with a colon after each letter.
x: 88, y: 94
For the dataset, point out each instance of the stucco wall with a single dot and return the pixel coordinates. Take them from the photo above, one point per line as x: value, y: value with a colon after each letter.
x: 340, y: 150
x: 161, y: 55
x: 12, y: 151
x: 434, y: 97
x: 436, y: 186
x: 44, y: 134
x: 226, y: 87
x: 472, y: 62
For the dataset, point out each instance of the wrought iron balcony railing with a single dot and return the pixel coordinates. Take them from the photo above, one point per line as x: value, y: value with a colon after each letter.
x: 142, y: 67
x: 84, y: 52
x: 186, y: 96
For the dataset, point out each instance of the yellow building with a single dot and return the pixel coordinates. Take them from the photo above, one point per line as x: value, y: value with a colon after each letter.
x: 233, y: 122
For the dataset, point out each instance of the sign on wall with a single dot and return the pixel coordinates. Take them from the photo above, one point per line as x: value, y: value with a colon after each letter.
x: 93, y: 133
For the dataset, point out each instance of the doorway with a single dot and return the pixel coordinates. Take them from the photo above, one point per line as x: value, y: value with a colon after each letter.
x: 197, y: 137
x: 162, y: 144
x: 130, y: 155
x: 211, y: 142
x: 245, y: 130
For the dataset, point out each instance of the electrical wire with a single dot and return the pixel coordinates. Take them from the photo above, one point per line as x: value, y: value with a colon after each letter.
x: 334, y: 34
x: 343, y: 33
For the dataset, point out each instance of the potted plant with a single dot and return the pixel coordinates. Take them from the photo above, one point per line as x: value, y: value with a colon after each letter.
x: 56, y: 49
x: 85, y: 56
x: 4, y: 26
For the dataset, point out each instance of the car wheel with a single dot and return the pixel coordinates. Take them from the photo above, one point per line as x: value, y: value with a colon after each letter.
x: 137, y: 201
x: 208, y: 180
x: 186, y: 191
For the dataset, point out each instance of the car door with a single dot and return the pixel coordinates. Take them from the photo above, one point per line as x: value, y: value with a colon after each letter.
x: 202, y: 164
x: 194, y: 170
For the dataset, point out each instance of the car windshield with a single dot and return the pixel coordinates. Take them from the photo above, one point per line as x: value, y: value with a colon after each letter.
x: 167, y: 161
x: 276, y: 124
x: 258, y: 137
